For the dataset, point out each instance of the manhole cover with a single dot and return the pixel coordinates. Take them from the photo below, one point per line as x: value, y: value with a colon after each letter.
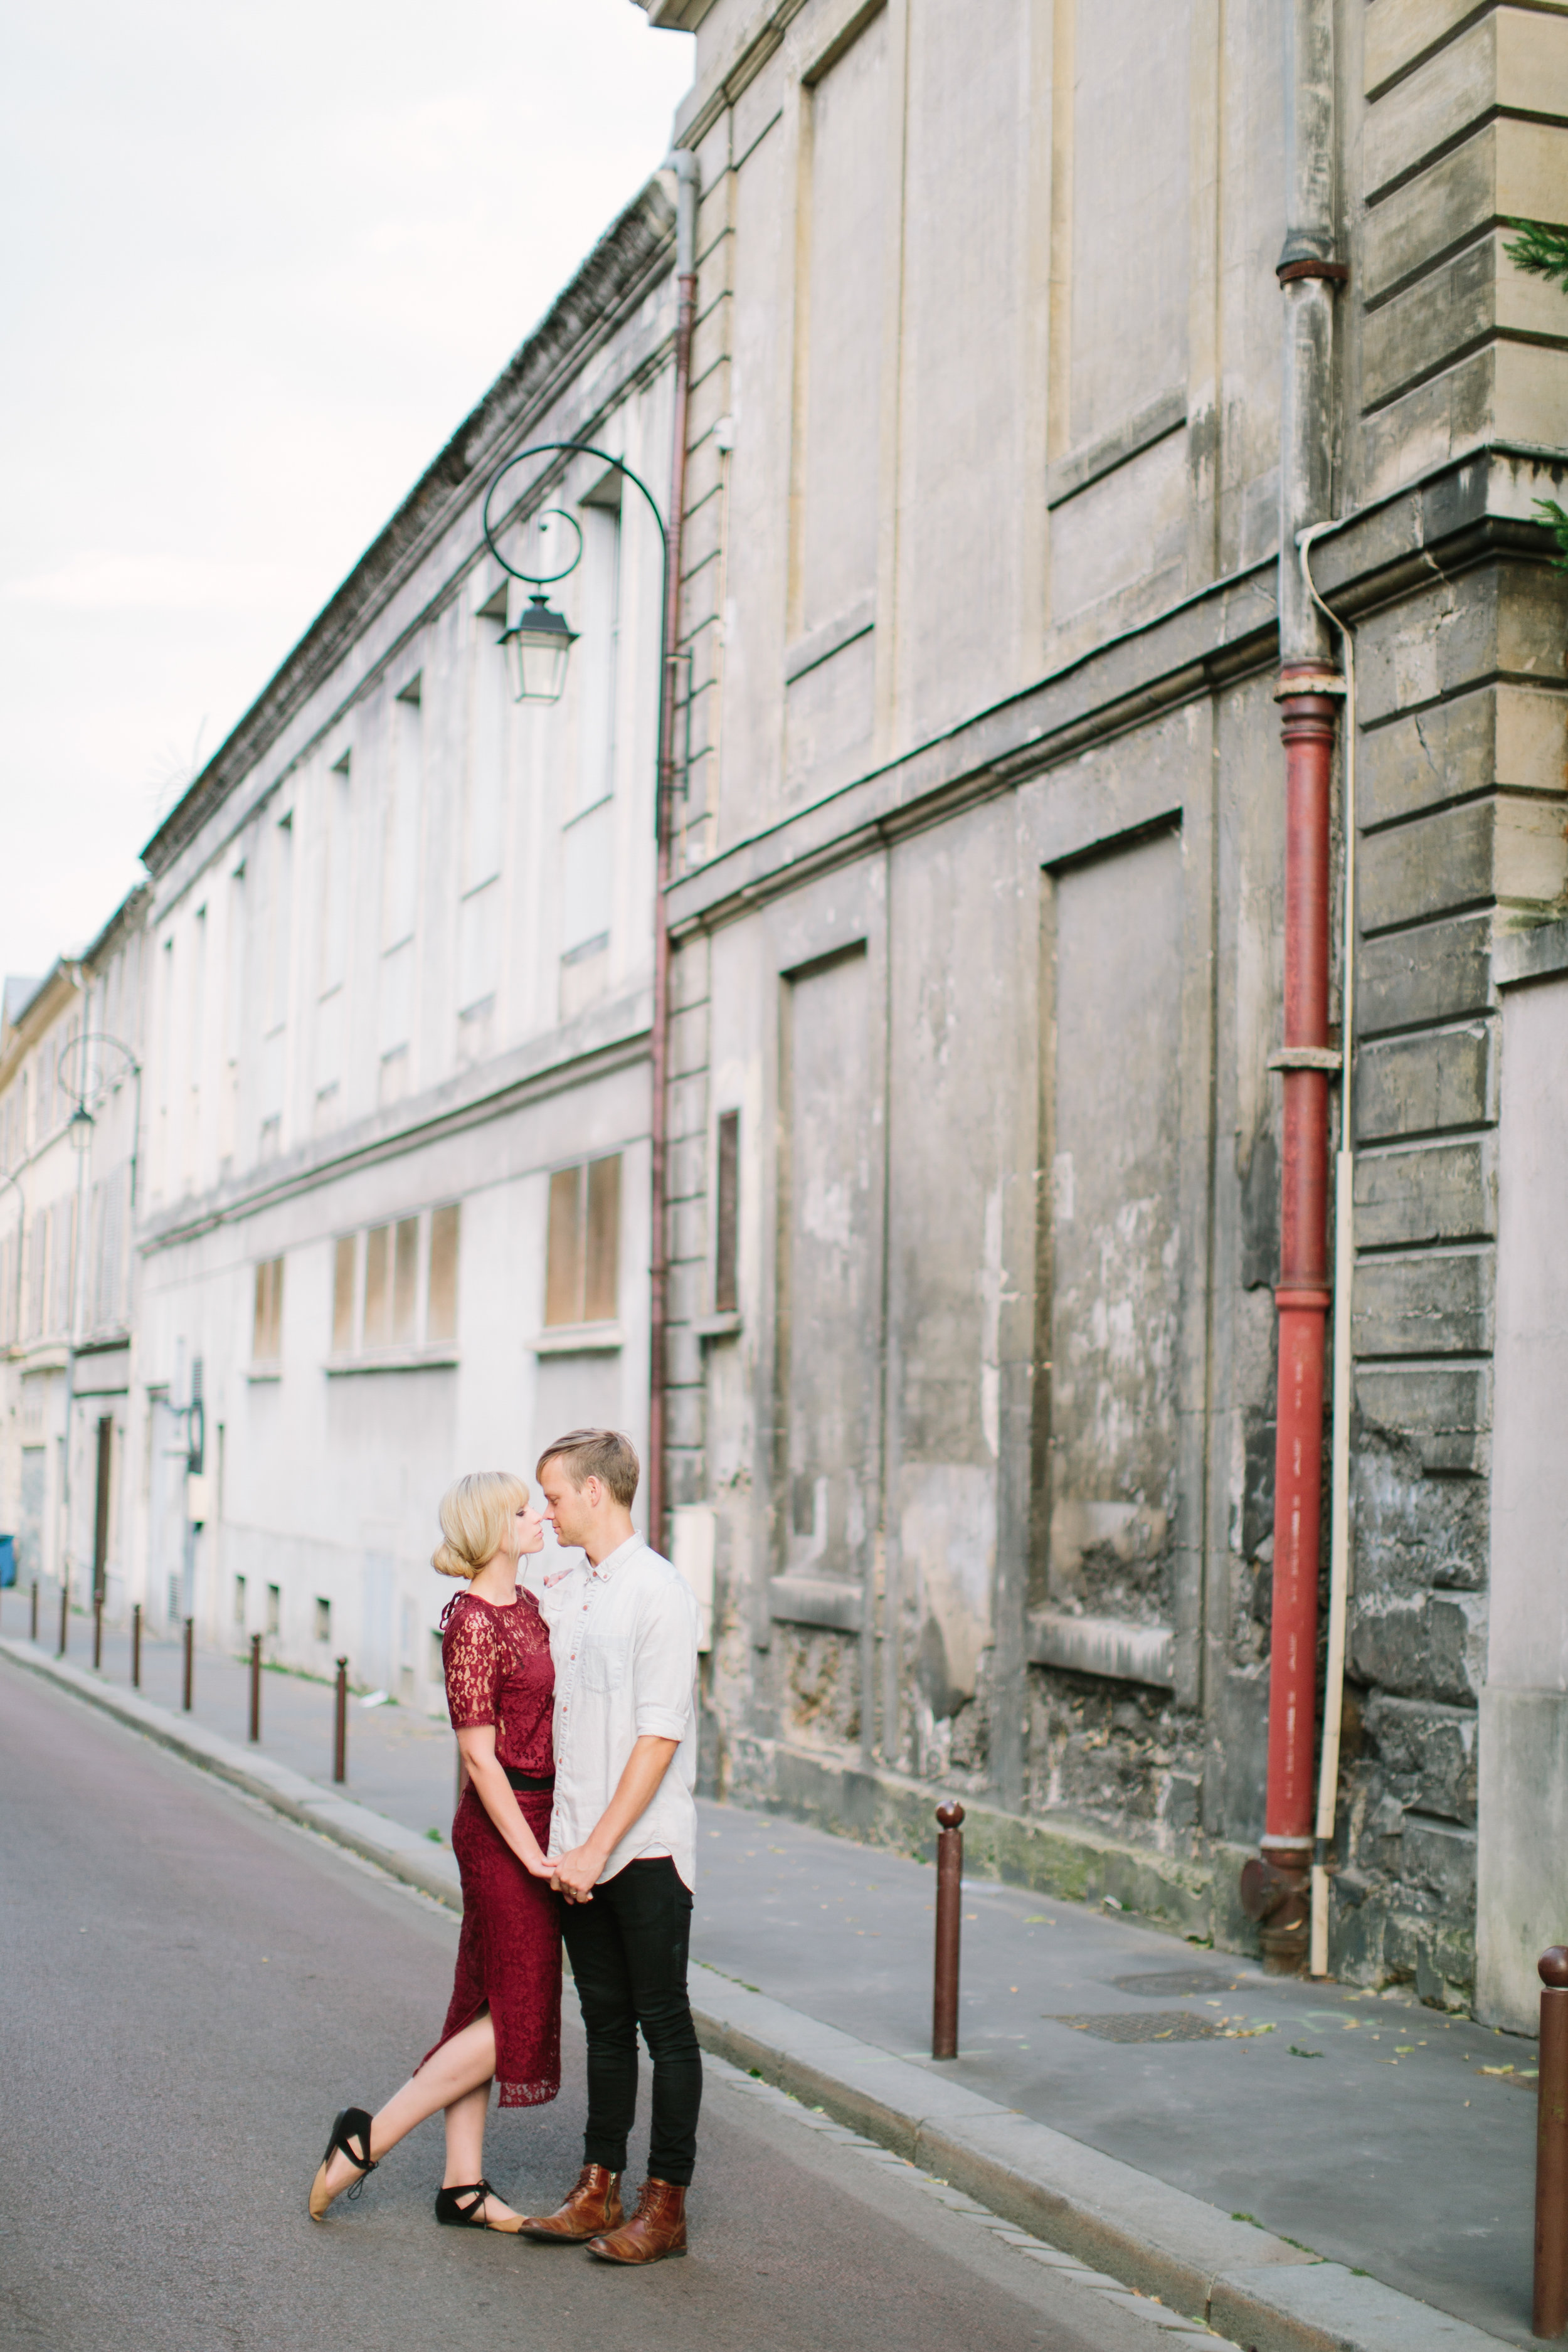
x: 1165, y: 1982
x: 1145, y: 2025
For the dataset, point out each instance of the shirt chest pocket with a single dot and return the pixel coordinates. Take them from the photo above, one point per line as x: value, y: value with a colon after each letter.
x: 606, y: 1658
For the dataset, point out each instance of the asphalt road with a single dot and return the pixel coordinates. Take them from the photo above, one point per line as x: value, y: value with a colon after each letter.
x: 191, y: 1988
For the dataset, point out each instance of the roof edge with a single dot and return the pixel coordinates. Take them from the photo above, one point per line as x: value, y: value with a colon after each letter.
x: 635, y: 251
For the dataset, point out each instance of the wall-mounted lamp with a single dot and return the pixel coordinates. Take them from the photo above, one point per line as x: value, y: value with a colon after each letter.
x: 538, y: 644
x: 538, y: 647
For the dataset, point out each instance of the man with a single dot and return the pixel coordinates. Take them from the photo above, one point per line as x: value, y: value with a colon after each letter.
x: 623, y: 1838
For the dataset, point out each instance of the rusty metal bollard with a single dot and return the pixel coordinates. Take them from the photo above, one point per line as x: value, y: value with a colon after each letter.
x: 136, y: 1645
x: 1551, y: 2313
x: 33, y: 1625
x: 341, y: 1726
x: 255, y: 1690
x: 949, y: 1901
x: 65, y: 1611
x: 190, y: 1662
x: 98, y: 1630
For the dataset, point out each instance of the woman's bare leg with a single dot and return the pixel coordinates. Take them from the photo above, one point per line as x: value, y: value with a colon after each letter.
x: 459, y: 2070
x: 466, y: 2119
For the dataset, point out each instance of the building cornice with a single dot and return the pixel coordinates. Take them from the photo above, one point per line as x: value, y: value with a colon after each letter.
x: 1230, y: 631
x: 609, y: 1038
x: 1465, y: 512
x: 633, y: 255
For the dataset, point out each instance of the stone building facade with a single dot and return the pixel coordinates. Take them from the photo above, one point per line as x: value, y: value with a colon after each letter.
x: 976, y: 931
x: 69, y: 1048
x: 979, y: 944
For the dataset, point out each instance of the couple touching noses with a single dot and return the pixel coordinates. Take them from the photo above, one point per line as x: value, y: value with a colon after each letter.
x: 575, y: 1707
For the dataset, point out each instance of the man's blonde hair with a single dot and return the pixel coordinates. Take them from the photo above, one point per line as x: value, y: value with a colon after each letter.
x: 607, y: 1454
x: 473, y: 1516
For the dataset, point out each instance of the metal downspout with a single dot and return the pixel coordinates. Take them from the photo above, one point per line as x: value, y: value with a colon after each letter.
x: 1344, y: 1275
x: 1275, y: 1888
x: 685, y: 166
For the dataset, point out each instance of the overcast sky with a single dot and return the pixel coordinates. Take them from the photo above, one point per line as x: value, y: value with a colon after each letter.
x: 258, y: 262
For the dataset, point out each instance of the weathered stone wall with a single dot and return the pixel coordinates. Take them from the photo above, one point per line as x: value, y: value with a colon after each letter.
x: 1020, y: 772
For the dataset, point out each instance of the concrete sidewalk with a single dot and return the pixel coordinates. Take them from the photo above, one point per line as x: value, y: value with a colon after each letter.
x: 1196, y: 2129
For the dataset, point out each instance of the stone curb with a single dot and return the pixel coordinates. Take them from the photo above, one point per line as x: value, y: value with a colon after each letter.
x: 1251, y: 2287
x: 417, y: 1860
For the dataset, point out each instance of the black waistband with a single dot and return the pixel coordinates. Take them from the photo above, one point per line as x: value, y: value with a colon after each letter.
x: 528, y: 1780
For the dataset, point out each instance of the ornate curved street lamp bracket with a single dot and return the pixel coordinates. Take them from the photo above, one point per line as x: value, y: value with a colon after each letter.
x: 81, y: 1122
x: 538, y: 644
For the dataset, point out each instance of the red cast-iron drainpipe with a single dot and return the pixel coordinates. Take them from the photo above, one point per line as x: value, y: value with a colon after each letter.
x: 1275, y: 1887
x: 685, y: 165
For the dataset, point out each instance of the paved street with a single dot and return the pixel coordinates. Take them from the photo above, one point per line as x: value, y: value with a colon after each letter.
x: 1175, y: 2061
x: 194, y: 1987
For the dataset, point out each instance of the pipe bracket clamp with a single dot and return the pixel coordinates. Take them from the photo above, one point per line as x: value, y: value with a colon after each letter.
x: 1308, y: 1057
x: 1336, y: 272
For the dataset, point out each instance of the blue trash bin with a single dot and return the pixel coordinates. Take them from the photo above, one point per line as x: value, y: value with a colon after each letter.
x: 8, y: 1561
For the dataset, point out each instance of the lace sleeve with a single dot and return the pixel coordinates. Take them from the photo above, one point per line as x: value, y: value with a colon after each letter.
x: 469, y: 1655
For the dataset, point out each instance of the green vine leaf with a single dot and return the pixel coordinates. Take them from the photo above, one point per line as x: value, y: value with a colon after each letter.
x: 1556, y: 522
x: 1540, y: 249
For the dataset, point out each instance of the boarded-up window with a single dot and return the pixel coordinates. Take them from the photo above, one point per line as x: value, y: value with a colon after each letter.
x: 343, y: 1268
x: 405, y: 1280
x: 441, y: 1315
x: 844, y: 290
x: 267, y: 1333
x: 582, y: 1282
x: 1108, y: 1471
x: 1131, y: 171
x: 726, y: 1213
x: 378, y: 1286
x: 829, y: 1317
x: 409, y: 1267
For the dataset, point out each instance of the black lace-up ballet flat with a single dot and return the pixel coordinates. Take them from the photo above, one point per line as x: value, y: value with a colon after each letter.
x: 352, y: 2125
x: 464, y: 2208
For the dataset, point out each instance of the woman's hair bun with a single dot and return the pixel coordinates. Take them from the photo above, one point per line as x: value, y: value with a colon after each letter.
x: 474, y: 1515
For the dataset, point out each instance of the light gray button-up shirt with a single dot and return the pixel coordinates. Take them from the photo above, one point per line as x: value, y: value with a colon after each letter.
x: 623, y: 1637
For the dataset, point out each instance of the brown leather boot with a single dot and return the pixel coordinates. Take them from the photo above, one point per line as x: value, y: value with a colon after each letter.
x: 657, y: 2228
x: 594, y: 2204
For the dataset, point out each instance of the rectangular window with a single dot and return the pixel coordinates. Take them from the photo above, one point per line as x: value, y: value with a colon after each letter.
x: 601, y: 1270
x: 437, y: 1664
x: 239, y: 1602
x: 598, y: 663
x: 406, y: 1281
x: 323, y: 1621
x: 726, y: 1213
x: 410, y: 1291
x: 274, y: 1608
x: 441, y: 1315
x: 400, y: 836
x: 267, y: 1336
x: 377, y: 1287
x: 583, y: 1245
x: 345, y: 1267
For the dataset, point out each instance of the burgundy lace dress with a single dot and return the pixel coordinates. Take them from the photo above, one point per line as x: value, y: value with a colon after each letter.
x: 508, y: 1955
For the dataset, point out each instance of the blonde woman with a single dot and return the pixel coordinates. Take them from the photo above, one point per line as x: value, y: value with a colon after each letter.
x: 504, y: 2021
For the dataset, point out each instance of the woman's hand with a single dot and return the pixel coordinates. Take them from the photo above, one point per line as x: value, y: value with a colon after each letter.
x: 476, y: 1746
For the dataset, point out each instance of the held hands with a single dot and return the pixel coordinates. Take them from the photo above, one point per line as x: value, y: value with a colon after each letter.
x: 574, y: 1873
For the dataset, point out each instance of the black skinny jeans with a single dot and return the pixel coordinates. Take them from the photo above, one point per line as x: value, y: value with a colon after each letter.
x: 628, y: 1950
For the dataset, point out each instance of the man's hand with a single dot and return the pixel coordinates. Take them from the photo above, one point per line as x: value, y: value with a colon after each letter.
x: 574, y: 1875
x: 577, y: 1872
